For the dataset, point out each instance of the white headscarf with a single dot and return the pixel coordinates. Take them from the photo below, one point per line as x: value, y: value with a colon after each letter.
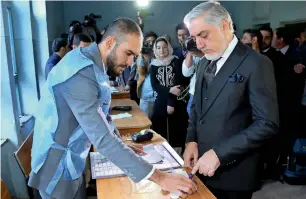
x: 158, y: 61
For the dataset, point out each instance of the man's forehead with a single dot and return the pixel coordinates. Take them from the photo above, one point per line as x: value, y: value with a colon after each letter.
x: 197, y: 25
x: 182, y: 31
x: 265, y: 32
x: 133, y: 44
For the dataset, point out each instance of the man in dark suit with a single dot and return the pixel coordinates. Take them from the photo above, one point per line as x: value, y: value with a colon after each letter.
x: 234, y: 110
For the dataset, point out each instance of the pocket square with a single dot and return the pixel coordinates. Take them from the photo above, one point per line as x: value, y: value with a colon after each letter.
x: 236, y: 78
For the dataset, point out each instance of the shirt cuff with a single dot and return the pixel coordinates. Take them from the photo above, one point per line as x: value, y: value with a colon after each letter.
x: 149, y: 175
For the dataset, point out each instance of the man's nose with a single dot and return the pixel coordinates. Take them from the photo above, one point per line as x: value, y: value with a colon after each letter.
x: 200, y: 44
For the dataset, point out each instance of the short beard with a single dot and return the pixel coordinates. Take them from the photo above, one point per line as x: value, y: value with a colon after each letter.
x: 216, y: 56
x: 111, y: 63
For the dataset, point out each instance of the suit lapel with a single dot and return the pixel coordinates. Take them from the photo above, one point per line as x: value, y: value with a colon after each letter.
x: 200, y: 81
x: 228, y: 68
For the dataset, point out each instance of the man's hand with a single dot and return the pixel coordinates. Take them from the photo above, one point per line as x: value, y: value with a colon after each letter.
x: 175, y: 90
x: 174, y: 183
x: 126, y: 88
x: 299, y: 68
x: 191, y: 154
x: 137, y: 148
x: 207, y: 164
x: 170, y: 110
x: 197, y: 54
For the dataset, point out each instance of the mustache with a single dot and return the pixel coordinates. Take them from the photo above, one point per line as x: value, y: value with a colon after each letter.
x: 205, y: 49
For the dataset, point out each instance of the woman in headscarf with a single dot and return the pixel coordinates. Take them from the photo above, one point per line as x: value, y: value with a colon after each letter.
x: 170, y: 118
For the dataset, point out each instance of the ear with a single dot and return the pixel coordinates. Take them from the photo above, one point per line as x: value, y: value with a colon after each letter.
x: 110, y: 41
x: 225, y: 25
x: 74, y: 46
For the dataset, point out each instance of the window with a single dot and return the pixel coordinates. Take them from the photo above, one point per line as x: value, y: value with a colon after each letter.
x: 15, y: 72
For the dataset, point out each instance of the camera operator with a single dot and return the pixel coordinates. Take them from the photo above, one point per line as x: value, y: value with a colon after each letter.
x: 144, y: 88
x: 182, y: 34
x: 189, y: 66
x: 76, y: 27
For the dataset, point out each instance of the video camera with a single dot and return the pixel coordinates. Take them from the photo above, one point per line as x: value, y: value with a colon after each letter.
x: 144, y: 13
x: 90, y: 20
x: 147, y: 47
x: 76, y: 27
x: 190, y: 45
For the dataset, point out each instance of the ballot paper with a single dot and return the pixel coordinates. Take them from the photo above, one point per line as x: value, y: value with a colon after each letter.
x: 114, y: 90
x: 120, y: 116
x: 162, y: 156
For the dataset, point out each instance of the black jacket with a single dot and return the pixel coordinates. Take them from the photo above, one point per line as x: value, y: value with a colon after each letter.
x: 235, y: 116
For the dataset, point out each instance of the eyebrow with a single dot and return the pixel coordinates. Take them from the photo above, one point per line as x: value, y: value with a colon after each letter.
x: 204, y: 31
x: 133, y: 53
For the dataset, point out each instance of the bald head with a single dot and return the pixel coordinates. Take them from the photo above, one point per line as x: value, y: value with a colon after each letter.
x: 121, y: 28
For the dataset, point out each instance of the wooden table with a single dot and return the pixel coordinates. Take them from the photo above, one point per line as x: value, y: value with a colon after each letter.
x: 134, y: 124
x: 4, y: 192
x: 121, y: 94
x: 121, y: 187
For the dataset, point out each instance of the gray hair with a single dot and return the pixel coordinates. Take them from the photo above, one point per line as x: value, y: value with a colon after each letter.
x: 120, y: 28
x: 214, y: 14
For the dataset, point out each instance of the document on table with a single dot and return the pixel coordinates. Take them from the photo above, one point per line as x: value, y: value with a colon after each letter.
x: 162, y: 156
x: 120, y: 116
x: 114, y: 90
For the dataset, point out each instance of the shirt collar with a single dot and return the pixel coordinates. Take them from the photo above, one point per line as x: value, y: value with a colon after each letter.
x: 230, y: 47
x: 93, y: 52
x: 284, y: 49
x: 266, y: 50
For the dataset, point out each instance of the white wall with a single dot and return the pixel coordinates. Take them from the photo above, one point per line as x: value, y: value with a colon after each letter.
x: 55, y: 21
x: 167, y: 14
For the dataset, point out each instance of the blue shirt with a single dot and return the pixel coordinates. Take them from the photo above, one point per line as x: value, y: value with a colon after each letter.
x: 147, y: 92
x: 52, y: 61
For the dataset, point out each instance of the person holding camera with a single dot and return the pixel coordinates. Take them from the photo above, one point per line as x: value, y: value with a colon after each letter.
x: 182, y: 34
x: 144, y: 88
x: 169, y: 118
x: 189, y: 68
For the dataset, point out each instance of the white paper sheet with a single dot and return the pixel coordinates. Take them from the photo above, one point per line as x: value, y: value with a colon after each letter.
x: 120, y: 116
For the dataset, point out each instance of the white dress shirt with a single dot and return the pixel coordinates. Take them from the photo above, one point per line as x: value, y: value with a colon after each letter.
x: 285, y: 49
x: 187, y: 72
x: 227, y: 53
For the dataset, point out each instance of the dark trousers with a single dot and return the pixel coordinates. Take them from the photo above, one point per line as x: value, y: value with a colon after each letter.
x: 221, y: 194
x: 225, y: 194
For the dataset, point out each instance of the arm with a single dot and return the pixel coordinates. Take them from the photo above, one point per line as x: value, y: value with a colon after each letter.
x: 188, y: 66
x: 81, y: 94
x: 262, y: 97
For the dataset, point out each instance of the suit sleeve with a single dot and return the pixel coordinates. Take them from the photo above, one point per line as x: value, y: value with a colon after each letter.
x: 192, y: 125
x: 263, y: 100
x: 81, y: 94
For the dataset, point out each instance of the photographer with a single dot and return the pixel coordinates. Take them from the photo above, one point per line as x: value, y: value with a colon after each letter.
x: 76, y: 27
x: 182, y: 34
x: 144, y: 88
x: 189, y: 68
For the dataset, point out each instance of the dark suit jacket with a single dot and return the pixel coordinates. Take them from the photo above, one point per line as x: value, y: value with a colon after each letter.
x: 235, y: 118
